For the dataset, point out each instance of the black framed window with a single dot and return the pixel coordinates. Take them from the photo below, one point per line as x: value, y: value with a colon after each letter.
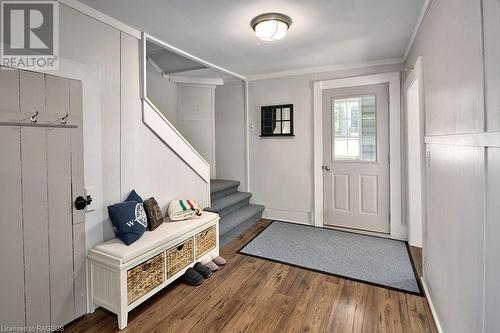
x: 277, y: 120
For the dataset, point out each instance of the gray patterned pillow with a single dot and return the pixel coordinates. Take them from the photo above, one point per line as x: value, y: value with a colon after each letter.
x: 153, y: 213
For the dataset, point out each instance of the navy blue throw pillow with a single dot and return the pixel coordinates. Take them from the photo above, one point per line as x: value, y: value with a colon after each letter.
x: 129, y: 220
x: 133, y: 196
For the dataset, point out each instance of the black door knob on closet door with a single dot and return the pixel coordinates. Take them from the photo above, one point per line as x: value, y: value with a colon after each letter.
x: 81, y: 202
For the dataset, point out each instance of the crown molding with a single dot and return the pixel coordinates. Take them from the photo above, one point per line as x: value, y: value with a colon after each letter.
x: 416, y: 28
x: 324, y: 69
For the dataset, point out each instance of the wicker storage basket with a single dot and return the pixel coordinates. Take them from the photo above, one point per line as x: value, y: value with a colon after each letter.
x: 179, y: 256
x: 206, y: 241
x: 145, y: 277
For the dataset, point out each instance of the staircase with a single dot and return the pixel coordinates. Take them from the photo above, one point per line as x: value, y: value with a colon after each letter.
x: 234, y: 208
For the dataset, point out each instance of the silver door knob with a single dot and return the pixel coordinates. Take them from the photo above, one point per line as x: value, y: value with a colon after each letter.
x: 326, y: 167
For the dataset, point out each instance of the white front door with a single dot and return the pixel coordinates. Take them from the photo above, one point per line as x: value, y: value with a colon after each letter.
x: 356, y: 158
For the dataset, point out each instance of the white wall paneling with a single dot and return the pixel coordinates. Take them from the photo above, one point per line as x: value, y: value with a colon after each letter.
x: 491, y: 44
x: 492, y: 248
x: 196, y: 119
x: 462, y: 139
x: 230, y: 132
x: 455, y: 220
x: 397, y: 229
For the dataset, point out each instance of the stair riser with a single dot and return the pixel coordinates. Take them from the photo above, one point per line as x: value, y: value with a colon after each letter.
x: 234, y: 207
x: 223, y: 193
x: 231, y: 221
x: 238, y: 230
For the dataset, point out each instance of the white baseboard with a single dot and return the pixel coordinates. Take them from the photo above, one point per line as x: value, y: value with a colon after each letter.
x: 288, y: 216
x: 431, y: 305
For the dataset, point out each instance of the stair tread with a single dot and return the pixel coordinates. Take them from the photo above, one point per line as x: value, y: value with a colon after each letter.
x: 239, y: 229
x: 227, y: 201
x: 232, y: 220
x: 217, y: 185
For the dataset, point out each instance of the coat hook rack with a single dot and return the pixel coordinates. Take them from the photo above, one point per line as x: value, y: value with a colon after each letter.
x: 63, y: 119
x: 34, y: 118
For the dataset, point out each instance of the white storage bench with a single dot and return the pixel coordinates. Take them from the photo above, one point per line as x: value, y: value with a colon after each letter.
x: 122, y: 277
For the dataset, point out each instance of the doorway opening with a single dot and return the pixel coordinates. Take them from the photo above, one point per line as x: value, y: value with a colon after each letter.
x: 395, y: 227
x: 415, y: 155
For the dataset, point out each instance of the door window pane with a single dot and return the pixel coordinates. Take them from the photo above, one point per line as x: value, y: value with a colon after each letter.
x: 285, y: 112
x: 277, y: 128
x: 354, y: 128
x: 278, y: 114
x: 285, y: 127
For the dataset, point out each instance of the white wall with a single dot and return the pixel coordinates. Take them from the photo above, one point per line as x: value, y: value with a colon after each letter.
x: 120, y: 152
x: 162, y: 93
x: 196, y: 119
x: 461, y: 243
x: 230, y: 132
x: 96, y: 45
x: 281, y: 169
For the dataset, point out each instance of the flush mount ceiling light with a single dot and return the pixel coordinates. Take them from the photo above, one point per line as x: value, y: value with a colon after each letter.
x: 271, y: 26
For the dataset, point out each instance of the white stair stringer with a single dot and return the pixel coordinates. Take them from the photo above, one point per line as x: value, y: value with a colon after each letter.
x: 160, y: 125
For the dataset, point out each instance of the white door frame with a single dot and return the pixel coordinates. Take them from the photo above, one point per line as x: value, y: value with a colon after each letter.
x: 398, y: 230
x: 417, y: 73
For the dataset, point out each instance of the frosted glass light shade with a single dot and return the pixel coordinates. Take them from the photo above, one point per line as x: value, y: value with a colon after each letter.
x: 271, y: 26
x: 271, y: 30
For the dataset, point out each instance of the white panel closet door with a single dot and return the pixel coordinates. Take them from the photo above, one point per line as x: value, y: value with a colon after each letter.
x: 42, y: 245
x: 36, y: 225
x: 11, y: 237
x: 35, y: 208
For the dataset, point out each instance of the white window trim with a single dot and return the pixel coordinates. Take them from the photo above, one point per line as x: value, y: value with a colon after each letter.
x: 397, y: 229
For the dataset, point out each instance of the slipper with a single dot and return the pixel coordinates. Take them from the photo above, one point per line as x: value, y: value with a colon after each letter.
x: 192, y: 277
x: 205, y: 272
x: 219, y: 261
x: 211, y: 266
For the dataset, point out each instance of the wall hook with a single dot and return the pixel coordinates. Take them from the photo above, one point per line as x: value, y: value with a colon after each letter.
x: 34, y: 118
x: 63, y: 119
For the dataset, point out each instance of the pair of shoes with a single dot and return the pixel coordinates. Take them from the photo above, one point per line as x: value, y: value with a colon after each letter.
x: 214, y: 264
x: 219, y: 261
x: 196, y: 275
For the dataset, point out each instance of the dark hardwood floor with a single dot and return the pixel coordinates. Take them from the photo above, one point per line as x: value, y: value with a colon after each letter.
x: 254, y: 295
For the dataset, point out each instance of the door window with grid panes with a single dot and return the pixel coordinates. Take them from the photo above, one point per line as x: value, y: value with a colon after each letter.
x: 354, y: 128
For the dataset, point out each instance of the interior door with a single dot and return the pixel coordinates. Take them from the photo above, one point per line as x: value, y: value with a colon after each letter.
x: 42, y: 243
x: 356, y: 158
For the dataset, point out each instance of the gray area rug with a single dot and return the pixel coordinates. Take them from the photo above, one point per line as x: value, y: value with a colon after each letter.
x: 373, y: 260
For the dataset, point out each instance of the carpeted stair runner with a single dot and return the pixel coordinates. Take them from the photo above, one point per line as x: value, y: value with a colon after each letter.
x: 236, y: 212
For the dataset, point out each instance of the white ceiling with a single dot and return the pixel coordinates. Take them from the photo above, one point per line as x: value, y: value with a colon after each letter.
x: 170, y: 62
x: 324, y: 33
